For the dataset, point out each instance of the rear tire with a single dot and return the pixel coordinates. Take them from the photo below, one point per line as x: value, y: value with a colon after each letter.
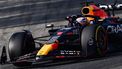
x: 94, y: 41
x: 20, y: 43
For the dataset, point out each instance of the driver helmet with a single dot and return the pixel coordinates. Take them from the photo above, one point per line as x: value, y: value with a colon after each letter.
x: 82, y: 20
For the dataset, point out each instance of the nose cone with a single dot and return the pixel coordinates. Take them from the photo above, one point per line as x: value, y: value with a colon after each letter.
x: 46, y: 49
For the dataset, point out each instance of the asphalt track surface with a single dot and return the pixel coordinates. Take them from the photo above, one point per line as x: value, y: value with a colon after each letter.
x: 111, y: 61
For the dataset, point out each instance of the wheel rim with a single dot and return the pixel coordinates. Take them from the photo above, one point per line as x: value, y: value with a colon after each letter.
x: 101, y: 41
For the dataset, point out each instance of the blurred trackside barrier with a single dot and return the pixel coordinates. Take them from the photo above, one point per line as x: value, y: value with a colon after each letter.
x: 24, y: 12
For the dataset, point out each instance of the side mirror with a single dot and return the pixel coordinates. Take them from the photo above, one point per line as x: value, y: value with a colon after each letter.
x: 49, y: 25
x: 67, y: 18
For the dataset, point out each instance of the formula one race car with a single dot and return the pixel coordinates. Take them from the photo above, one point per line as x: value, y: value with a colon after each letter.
x: 105, y: 34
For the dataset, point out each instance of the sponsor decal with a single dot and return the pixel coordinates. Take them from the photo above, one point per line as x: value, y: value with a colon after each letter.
x: 65, y: 28
x: 59, y: 33
x: 114, y: 29
x: 90, y: 42
x: 68, y: 52
x: 70, y: 33
x: 110, y: 6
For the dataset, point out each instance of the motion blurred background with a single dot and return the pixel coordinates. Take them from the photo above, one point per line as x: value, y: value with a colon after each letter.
x: 24, y: 12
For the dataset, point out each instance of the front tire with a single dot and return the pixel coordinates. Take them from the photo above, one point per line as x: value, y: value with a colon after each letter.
x: 20, y: 43
x: 94, y: 41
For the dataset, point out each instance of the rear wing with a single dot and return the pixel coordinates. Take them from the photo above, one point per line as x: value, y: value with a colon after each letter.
x: 111, y: 7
